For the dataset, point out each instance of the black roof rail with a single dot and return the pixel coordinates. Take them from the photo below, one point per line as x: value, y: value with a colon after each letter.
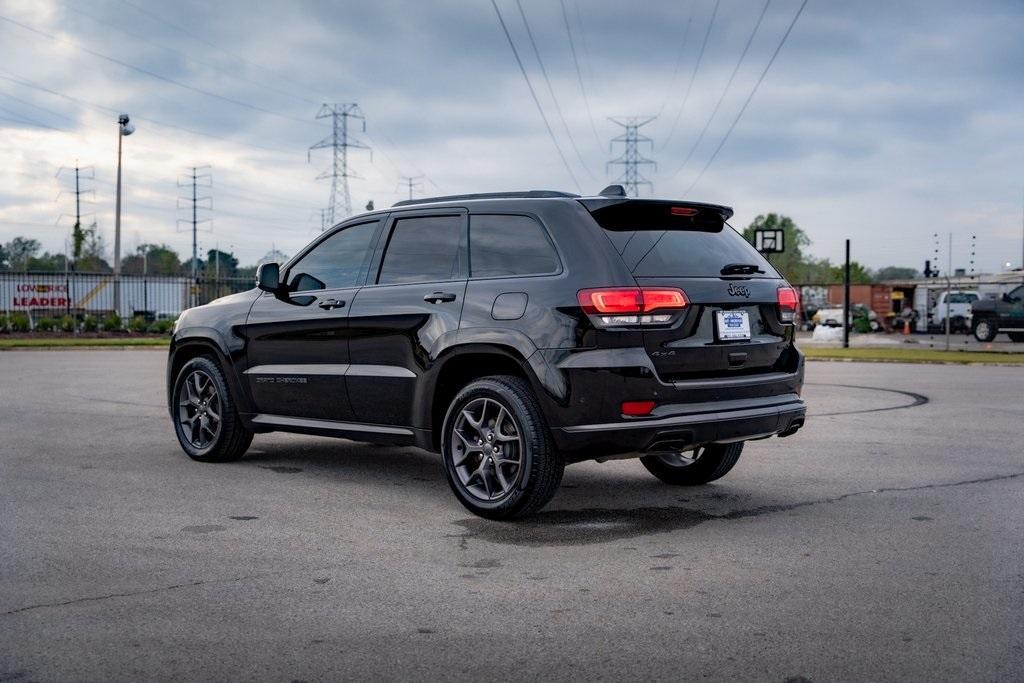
x: 529, y: 194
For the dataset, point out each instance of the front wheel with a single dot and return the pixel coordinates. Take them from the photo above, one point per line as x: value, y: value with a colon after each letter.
x: 984, y: 330
x: 498, y: 455
x: 205, y: 418
x: 693, y: 468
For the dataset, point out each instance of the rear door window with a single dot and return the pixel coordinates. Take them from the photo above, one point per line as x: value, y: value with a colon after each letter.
x: 507, y: 246
x: 424, y: 249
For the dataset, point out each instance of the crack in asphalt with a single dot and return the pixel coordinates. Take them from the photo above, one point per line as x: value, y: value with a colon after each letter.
x: 918, y: 399
x: 601, y: 525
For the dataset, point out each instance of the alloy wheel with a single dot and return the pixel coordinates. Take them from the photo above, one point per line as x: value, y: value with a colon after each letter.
x: 682, y: 458
x: 487, y: 449
x: 199, y: 410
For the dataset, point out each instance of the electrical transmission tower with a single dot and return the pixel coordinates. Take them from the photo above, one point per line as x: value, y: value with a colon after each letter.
x: 412, y: 182
x: 78, y: 233
x: 631, y: 158
x: 193, y: 182
x: 340, y: 140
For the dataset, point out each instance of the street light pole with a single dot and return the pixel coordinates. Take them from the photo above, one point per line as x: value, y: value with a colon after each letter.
x: 124, y: 127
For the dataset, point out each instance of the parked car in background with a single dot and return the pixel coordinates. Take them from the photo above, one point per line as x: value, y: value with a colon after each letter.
x: 959, y: 308
x: 833, y: 317
x: 1005, y: 314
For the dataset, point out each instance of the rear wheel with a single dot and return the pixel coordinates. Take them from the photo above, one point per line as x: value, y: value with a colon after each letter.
x: 498, y: 454
x: 1016, y: 337
x: 984, y: 330
x: 205, y: 418
x: 693, y: 468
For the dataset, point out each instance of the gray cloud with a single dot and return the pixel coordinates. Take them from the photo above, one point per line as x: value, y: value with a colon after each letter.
x: 883, y: 122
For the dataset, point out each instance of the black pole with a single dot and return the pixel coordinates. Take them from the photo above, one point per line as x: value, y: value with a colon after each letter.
x: 846, y: 299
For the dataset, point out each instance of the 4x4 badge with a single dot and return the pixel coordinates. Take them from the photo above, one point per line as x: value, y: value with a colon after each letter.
x: 739, y: 290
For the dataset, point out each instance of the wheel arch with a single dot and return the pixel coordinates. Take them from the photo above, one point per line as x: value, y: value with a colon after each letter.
x: 203, y: 342
x: 463, y: 364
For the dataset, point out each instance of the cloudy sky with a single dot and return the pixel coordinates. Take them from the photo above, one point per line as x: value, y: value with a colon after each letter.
x: 884, y: 122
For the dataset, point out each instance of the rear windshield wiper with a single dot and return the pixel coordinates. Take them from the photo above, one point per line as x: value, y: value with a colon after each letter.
x: 740, y: 269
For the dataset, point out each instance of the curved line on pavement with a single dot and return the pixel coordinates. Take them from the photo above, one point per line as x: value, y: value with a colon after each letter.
x: 917, y: 399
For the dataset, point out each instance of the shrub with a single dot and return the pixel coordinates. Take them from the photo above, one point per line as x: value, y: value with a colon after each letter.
x: 138, y: 324
x: 89, y: 324
x: 162, y: 327
x: 19, y: 322
x: 67, y: 323
x: 3, y: 322
x: 46, y: 325
x: 113, y: 323
x: 861, y: 325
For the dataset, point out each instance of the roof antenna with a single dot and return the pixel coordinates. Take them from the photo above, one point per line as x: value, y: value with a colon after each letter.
x: 613, y: 191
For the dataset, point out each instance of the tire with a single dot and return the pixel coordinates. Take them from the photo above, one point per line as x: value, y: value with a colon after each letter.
x: 985, y: 330
x: 511, y: 473
x: 196, y: 405
x: 1017, y: 337
x: 713, y: 462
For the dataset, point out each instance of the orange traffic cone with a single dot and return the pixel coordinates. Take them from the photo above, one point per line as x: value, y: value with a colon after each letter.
x: 906, y: 326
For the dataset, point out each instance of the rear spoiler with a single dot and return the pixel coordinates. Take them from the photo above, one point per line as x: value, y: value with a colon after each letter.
x: 623, y: 213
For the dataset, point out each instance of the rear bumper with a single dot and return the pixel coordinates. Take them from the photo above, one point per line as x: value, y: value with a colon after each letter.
x: 682, y: 426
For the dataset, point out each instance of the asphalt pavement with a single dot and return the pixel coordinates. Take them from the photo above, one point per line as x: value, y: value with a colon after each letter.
x: 884, y: 541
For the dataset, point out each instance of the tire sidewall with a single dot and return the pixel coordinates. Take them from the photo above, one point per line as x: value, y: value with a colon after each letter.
x: 227, y: 405
x: 989, y: 325
x: 496, y: 391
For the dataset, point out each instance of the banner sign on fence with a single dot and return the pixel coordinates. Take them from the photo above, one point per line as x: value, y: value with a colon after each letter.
x: 39, y: 295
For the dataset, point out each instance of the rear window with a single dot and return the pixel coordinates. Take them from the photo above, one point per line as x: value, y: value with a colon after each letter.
x: 655, y: 243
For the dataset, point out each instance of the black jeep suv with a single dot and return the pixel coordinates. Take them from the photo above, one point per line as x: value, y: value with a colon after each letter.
x: 1005, y: 314
x: 512, y: 332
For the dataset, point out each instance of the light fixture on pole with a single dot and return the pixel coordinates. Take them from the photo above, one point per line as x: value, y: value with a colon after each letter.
x: 124, y: 127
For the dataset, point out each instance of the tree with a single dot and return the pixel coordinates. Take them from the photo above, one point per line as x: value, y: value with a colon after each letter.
x: 152, y: 259
x: 896, y: 273
x: 4, y: 264
x: 20, y: 250
x: 859, y: 275
x: 228, y: 264
x: 54, y: 263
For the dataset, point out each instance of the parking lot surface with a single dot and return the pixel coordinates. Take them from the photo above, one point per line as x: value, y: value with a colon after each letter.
x: 882, y: 541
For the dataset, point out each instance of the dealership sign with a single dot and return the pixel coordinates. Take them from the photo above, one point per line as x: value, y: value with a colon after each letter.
x: 40, y: 295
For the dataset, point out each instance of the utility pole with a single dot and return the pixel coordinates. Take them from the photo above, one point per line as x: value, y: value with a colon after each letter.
x: 412, y: 182
x: 194, y: 181
x: 846, y: 298
x: 340, y: 140
x: 77, y: 234
x: 124, y: 127
x: 631, y: 159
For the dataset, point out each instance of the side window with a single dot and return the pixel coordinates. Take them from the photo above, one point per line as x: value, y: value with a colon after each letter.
x: 1018, y: 294
x: 338, y: 261
x: 504, y: 246
x: 423, y: 249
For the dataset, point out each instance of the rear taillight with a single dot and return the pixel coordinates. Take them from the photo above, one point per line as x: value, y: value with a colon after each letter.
x: 631, y: 306
x: 789, y: 302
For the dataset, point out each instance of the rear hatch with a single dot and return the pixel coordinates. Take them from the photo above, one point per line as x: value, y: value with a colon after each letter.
x: 732, y: 324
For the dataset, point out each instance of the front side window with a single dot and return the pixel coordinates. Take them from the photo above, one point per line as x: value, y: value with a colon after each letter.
x: 423, y: 249
x: 339, y: 261
x: 506, y: 246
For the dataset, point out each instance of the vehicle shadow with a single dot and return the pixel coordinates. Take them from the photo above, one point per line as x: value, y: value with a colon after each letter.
x: 596, y: 503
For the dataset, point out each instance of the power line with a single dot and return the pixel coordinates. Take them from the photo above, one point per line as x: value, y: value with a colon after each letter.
x: 749, y: 97
x: 213, y: 45
x: 679, y: 58
x: 194, y: 202
x: 579, y: 74
x: 725, y: 91
x: 533, y: 94
x: 551, y: 90
x: 151, y: 74
x: 412, y: 182
x: 149, y: 41
x: 693, y: 76
x: 109, y: 110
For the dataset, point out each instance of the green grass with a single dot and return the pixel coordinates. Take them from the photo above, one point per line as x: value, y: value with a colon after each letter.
x: 68, y: 342
x: 899, y: 355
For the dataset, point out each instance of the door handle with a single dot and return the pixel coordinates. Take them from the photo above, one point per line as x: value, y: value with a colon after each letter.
x: 330, y: 304
x: 438, y: 297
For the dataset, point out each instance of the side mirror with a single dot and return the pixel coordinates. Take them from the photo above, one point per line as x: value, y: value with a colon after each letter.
x: 1009, y: 299
x: 268, y: 277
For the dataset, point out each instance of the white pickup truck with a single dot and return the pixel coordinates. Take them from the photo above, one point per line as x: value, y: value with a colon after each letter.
x: 959, y: 311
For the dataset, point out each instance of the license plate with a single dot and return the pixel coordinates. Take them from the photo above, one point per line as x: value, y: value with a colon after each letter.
x: 733, y: 325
